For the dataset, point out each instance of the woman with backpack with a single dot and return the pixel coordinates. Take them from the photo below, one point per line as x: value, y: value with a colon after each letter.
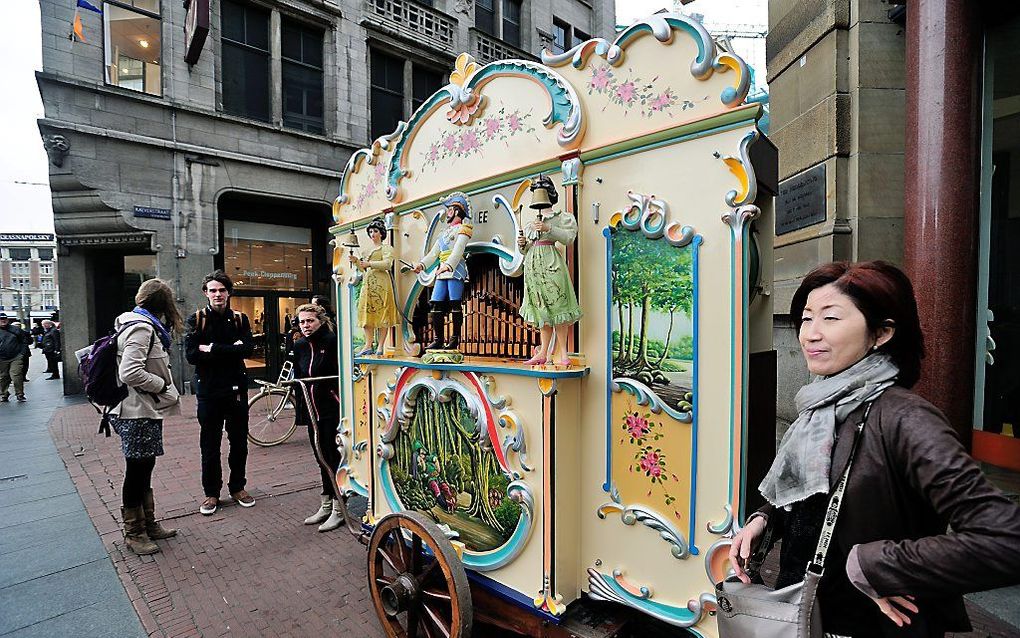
x: 143, y: 365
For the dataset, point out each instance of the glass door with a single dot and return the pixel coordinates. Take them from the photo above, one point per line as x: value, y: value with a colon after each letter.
x: 997, y: 367
x: 255, y: 309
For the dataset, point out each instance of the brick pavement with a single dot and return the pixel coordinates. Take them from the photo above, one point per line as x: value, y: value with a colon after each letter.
x: 242, y: 572
x: 246, y: 572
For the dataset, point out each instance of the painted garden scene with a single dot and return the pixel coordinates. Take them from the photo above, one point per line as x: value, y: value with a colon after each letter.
x: 440, y: 469
x: 652, y: 322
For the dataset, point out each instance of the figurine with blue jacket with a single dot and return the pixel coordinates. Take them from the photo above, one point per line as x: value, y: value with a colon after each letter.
x: 451, y: 273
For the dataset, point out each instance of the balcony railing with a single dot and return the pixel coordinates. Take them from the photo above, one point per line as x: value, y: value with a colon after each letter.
x: 487, y: 48
x: 416, y: 21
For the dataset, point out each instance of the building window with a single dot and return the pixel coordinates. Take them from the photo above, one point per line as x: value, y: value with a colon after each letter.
x: 302, y: 77
x: 245, y: 60
x: 425, y: 82
x: 45, y: 254
x: 133, y: 45
x: 20, y: 282
x: 566, y: 36
x: 46, y: 268
x: 20, y: 254
x: 49, y: 302
x: 387, y: 92
x: 512, y: 22
x: 19, y: 268
x: 46, y: 284
x: 485, y: 16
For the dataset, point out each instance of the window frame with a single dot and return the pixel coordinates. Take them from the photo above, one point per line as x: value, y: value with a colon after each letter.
x: 305, y: 28
x: 127, y: 6
x: 245, y: 46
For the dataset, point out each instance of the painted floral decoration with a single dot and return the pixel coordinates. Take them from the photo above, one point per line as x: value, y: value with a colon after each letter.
x: 641, y: 434
x: 373, y: 184
x: 633, y: 93
x: 475, y: 138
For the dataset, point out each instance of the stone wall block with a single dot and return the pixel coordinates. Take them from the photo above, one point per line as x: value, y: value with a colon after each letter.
x: 802, y: 26
x: 820, y: 133
x: 877, y: 56
x: 878, y: 119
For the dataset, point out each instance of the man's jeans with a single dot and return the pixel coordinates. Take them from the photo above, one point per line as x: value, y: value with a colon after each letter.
x: 213, y: 414
x: 12, y: 369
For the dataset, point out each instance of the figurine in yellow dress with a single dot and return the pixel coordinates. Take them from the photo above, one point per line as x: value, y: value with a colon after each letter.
x: 377, y: 308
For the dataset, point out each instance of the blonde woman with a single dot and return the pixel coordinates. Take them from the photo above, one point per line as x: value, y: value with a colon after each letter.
x: 143, y: 365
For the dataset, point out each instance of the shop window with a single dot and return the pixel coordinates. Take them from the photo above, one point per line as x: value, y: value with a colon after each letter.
x: 302, y: 77
x: 267, y: 256
x: 133, y: 45
x: 245, y: 60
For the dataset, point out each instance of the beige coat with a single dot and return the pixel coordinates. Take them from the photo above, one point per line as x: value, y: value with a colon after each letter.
x: 144, y: 371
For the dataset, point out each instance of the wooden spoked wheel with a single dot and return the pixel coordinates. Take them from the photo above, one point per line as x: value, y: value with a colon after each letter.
x: 418, y: 583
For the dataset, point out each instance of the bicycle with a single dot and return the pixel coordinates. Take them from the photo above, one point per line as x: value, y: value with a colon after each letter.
x: 271, y: 410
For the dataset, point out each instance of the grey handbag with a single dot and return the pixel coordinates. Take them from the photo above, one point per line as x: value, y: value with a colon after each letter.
x: 756, y: 610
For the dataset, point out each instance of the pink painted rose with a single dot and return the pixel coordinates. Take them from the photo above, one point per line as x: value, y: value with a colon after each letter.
x: 514, y: 123
x: 449, y: 143
x: 380, y: 169
x: 491, y: 127
x: 650, y: 464
x: 433, y: 153
x: 626, y: 92
x: 469, y: 142
x: 662, y: 101
x: 636, y: 426
x: 600, y: 78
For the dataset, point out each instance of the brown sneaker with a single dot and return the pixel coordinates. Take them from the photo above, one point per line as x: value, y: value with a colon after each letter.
x: 243, y: 498
x: 209, y: 505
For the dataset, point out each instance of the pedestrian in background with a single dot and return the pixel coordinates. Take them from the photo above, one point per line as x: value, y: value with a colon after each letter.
x: 13, y: 345
x: 51, y: 348
x: 892, y: 569
x: 26, y: 348
x: 316, y: 356
x: 217, y: 342
x: 143, y: 365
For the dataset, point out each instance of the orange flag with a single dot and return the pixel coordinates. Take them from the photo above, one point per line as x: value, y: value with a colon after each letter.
x: 78, y: 30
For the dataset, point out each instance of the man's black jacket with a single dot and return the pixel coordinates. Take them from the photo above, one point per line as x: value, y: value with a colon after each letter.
x: 51, y: 341
x: 219, y: 372
x: 13, y: 342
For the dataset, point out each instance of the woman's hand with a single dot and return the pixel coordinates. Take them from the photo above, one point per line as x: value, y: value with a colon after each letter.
x: 539, y: 226
x: 205, y: 347
x: 743, y: 542
x: 418, y: 268
x: 521, y: 241
x: 895, y: 608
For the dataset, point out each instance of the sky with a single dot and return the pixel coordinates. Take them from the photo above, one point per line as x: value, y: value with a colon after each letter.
x: 25, y: 204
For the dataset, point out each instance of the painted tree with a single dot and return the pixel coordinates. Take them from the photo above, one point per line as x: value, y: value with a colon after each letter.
x: 649, y: 275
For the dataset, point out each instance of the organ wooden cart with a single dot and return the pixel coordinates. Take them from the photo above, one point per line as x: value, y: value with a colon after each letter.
x: 621, y: 476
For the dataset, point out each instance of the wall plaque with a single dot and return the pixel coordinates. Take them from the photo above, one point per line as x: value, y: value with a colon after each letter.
x: 801, y: 200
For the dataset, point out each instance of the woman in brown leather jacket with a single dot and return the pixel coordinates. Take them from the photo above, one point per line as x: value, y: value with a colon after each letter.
x: 920, y: 524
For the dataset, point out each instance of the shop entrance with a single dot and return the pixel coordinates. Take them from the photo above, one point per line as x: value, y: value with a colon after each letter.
x: 996, y: 437
x: 271, y: 315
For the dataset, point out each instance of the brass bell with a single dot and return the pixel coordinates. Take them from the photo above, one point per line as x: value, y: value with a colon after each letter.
x: 351, y: 241
x: 540, y: 199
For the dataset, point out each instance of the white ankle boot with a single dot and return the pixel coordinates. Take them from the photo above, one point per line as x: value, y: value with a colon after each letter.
x: 324, y: 511
x: 335, y: 520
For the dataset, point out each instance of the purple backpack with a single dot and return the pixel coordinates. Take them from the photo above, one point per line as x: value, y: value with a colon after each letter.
x: 98, y: 371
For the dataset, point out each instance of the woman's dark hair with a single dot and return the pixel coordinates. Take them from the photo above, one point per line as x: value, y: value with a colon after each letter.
x: 221, y: 277
x: 883, y: 294
x: 379, y: 225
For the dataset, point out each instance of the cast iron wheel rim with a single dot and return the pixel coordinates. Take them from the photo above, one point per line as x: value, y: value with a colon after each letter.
x: 417, y: 595
x: 265, y: 431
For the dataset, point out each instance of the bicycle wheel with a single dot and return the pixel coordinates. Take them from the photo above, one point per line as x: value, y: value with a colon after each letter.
x: 271, y: 417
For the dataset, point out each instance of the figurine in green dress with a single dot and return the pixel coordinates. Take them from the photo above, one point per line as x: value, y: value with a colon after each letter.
x: 549, y: 299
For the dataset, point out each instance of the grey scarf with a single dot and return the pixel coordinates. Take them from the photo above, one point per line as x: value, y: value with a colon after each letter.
x: 804, y: 458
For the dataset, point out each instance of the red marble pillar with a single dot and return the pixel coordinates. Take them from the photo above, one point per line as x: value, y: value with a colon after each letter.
x: 942, y: 171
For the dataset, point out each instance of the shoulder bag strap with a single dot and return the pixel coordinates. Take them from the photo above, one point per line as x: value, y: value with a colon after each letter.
x: 817, y: 565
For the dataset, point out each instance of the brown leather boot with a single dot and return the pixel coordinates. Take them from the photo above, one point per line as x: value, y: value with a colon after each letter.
x: 135, y: 537
x: 155, y: 531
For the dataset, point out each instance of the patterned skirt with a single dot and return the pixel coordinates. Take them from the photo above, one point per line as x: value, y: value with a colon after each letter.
x: 139, y: 438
